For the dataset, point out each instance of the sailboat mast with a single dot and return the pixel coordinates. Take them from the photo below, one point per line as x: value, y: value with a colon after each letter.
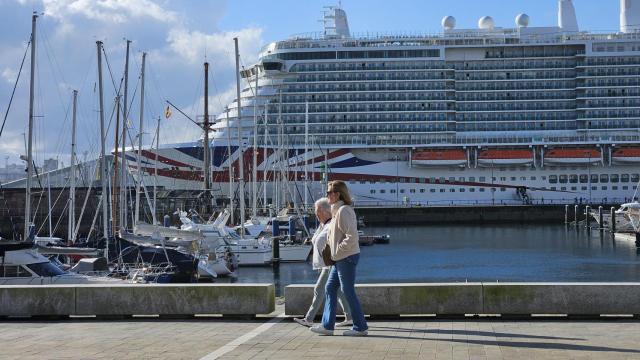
x: 103, y: 159
x: 265, y: 167
x: 137, y: 211
x: 72, y: 171
x: 230, y: 167
x: 123, y: 165
x: 27, y: 204
x: 241, y: 150
x: 115, y: 207
x: 155, y: 173
x: 206, y: 144
x: 306, y: 150
x: 254, y: 180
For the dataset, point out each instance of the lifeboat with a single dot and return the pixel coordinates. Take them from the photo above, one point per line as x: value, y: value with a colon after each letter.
x: 439, y: 157
x: 626, y: 155
x: 572, y: 156
x: 492, y: 157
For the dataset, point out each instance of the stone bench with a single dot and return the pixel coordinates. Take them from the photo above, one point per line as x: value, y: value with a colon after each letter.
x: 505, y: 299
x: 137, y: 299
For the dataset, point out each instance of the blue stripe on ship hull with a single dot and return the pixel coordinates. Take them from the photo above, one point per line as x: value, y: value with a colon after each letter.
x: 219, y: 153
x: 352, y: 162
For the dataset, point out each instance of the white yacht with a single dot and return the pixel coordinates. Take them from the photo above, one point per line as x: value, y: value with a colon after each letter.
x: 21, y: 264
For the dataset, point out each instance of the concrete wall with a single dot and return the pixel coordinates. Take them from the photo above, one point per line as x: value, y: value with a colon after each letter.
x: 484, y: 298
x: 137, y: 299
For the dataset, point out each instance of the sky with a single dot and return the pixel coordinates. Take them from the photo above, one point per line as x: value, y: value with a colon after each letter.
x: 177, y: 36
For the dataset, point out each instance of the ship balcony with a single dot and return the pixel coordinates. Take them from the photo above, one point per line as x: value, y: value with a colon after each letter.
x: 511, y: 100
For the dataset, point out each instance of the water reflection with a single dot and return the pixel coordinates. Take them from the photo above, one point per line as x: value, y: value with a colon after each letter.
x: 479, y: 253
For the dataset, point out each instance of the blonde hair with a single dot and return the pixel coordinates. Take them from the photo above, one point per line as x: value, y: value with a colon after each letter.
x: 340, y: 187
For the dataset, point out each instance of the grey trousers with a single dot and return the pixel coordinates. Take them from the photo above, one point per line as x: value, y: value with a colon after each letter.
x: 318, y: 297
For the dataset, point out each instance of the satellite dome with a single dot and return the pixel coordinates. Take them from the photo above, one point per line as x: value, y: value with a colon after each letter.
x: 448, y: 22
x: 486, y: 22
x: 522, y: 20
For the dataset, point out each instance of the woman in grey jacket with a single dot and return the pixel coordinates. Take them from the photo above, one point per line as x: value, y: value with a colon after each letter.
x: 342, y: 238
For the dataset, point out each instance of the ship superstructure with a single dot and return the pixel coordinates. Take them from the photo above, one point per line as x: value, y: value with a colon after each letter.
x: 468, y: 116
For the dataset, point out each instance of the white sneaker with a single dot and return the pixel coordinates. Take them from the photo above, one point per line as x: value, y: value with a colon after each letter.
x: 303, y: 322
x: 319, y: 329
x: 345, y: 323
x: 355, y: 333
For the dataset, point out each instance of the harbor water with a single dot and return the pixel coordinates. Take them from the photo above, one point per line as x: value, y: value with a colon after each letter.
x: 459, y: 253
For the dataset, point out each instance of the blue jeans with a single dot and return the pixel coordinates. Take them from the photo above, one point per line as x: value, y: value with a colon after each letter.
x: 343, y: 275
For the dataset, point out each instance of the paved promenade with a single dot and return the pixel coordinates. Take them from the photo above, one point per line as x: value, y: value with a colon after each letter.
x: 280, y: 338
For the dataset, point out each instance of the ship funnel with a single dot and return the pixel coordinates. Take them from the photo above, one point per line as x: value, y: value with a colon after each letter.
x: 335, y: 23
x: 567, y: 16
x: 629, y: 16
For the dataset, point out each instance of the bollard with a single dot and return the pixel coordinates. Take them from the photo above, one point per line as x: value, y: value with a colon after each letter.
x: 566, y: 214
x: 601, y: 224
x: 275, y: 247
x: 587, y: 211
x: 575, y: 214
x: 613, y: 220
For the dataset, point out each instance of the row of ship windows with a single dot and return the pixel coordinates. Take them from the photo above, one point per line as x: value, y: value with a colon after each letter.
x: 610, y: 72
x: 553, y: 179
x: 318, y: 98
x: 371, y: 65
x: 434, y: 126
x: 438, y: 65
x: 502, y: 106
x: 609, y: 60
x: 610, y: 92
x: 615, y: 47
x: 619, y: 113
x: 493, y: 189
x: 593, y: 178
x: 429, y: 127
x: 524, y: 85
x: 522, y: 95
x: 612, y: 103
x: 369, y: 86
x: 342, y: 77
x: 376, y: 107
x: 590, y: 82
x: 522, y: 75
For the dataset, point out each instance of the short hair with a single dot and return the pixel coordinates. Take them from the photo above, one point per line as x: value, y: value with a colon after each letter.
x: 323, y: 204
x: 340, y: 187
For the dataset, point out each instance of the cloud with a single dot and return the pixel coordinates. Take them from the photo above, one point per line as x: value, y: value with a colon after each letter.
x: 9, y: 75
x: 190, y: 44
x: 114, y: 11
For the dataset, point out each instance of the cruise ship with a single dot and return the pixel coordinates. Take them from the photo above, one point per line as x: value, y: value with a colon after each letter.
x: 489, y: 115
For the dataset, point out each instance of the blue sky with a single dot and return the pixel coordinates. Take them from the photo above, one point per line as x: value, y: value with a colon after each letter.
x: 176, y: 34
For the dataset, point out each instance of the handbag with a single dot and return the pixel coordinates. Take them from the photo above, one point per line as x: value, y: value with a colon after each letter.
x: 326, y: 256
